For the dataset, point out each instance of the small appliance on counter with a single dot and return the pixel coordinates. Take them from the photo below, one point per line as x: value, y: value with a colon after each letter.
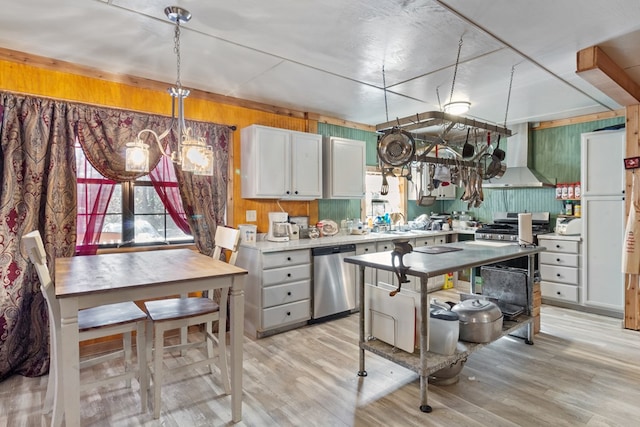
x: 569, y: 226
x: 279, y: 227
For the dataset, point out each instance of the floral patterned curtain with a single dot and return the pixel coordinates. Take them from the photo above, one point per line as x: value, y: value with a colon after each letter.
x: 38, y: 183
x: 38, y: 193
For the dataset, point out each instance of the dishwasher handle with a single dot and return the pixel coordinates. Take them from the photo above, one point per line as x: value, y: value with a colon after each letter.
x: 328, y: 250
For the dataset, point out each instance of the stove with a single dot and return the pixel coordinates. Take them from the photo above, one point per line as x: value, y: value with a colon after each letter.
x: 505, y: 227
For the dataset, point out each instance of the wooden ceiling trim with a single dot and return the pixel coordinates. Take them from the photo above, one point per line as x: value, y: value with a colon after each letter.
x: 595, y: 66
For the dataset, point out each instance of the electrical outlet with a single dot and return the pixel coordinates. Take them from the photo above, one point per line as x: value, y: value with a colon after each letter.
x: 251, y: 216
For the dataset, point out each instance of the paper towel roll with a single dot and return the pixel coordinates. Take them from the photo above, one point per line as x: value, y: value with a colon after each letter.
x: 525, y: 229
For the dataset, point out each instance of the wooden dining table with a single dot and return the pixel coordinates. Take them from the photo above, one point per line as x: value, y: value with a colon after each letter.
x: 89, y: 281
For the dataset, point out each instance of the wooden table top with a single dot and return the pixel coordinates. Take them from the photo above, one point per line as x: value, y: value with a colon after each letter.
x: 80, y: 275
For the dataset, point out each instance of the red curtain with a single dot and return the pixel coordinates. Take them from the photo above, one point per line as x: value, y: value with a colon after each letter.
x: 166, y: 185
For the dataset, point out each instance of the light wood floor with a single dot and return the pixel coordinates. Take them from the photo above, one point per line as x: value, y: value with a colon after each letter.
x: 584, y: 370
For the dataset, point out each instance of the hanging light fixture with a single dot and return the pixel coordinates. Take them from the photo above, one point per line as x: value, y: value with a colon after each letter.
x: 193, y: 154
x: 456, y: 107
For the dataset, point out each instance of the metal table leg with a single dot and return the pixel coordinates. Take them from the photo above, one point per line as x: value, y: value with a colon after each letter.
x: 362, y: 372
x: 424, y: 344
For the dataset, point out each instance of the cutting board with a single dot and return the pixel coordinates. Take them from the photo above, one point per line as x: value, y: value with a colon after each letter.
x: 390, y: 319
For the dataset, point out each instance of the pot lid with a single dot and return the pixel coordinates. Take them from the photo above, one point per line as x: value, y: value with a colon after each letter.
x: 477, y: 311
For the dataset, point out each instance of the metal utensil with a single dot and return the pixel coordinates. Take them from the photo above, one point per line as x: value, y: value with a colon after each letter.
x: 467, y: 149
x: 384, y: 189
x: 500, y: 154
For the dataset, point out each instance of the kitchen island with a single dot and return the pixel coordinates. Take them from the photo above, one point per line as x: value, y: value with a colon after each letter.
x: 423, y: 265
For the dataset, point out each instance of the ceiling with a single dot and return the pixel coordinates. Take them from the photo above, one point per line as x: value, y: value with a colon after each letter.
x: 328, y: 57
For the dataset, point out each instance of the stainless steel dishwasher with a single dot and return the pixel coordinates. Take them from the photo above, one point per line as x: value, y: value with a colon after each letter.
x: 334, y: 282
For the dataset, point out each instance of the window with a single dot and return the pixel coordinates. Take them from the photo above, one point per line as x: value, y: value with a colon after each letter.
x: 131, y: 213
x: 377, y: 204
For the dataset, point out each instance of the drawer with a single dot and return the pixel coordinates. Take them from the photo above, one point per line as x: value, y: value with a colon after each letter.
x: 384, y: 246
x: 286, y: 313
x: 365, y: 248
x: 424, y: 241
x: 283, y: 294
x: 553, y: 273
x: 281, y: 259
x: 561, y: 259
x: 295, y: 273
x: 553, y: 245
x: 559, y: 291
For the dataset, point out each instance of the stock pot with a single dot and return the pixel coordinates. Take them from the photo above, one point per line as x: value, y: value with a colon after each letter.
x: 480, y: 320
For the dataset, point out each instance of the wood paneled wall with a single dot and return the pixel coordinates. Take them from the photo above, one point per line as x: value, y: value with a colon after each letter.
x: 33, y: 75
x: 632, y: 290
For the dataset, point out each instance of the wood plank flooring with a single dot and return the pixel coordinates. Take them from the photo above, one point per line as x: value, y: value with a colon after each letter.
x: 584, y: 370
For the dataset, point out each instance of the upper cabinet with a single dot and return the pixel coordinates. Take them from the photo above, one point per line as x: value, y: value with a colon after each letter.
x: 280, y: 164
x: 602, y: 166
x: 344, y: 168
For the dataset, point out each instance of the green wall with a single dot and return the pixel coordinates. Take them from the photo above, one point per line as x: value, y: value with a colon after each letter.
x: 556, y: 155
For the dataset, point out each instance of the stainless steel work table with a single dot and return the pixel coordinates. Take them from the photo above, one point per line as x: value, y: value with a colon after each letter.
x: 468, y: 254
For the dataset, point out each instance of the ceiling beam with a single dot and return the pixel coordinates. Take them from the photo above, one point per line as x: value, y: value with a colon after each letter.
x: 595, y: 66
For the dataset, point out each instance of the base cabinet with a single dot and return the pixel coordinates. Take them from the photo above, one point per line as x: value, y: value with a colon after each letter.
x: 560, y: 270
x: 277, y: 290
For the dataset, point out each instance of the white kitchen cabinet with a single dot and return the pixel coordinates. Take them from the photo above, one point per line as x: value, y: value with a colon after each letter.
x: 344, y: 168
x: 446, y: 192
x: 560, y: 270
x: 280, y: 164
x: 277, y: 290
x: 602, y: 168
x: 603, y: 220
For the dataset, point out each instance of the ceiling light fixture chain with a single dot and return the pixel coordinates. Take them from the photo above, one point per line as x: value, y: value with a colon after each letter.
x: 455, y: 70
x: 193, y: 153
x: 384, y: 87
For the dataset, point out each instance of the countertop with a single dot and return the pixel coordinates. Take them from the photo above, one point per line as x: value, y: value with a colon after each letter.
x: 266, y: 246
x: 555, y: 236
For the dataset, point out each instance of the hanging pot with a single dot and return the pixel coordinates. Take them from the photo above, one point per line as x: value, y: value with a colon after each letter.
x: 396, y: 147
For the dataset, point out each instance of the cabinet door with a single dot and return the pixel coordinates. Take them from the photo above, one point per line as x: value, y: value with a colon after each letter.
x: 602, y: 170
x: 265, y: 162
x: 446, y: 192
x: 306, y: 166
x: 345, y: 168
x: 603, y: 236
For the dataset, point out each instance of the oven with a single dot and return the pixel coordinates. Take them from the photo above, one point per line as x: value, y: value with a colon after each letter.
x: 505, y: 229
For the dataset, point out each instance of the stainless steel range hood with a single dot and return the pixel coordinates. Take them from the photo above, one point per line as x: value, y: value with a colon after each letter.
x: 519, y: 174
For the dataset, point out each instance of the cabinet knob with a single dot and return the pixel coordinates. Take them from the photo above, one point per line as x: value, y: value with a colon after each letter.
x: 288, y: 258
x: 557, y: 259
x: 559, y: 293
x: 558, y: 246
x: 288, y: 313
x: 288, y: 192
x: 289, y: 293
x: 295, y: 192
x: 289, y: 274
x: 558, y: 274
x: 366, y: 250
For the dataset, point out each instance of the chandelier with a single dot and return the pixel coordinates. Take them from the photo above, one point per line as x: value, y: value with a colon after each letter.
x: 193, y: 154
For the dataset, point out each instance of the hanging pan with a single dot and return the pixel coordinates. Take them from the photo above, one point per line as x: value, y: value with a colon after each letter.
x: 396, y: 147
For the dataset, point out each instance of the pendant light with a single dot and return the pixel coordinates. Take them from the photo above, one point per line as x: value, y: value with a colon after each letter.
x: 193, y: 153
x: 456, y: 107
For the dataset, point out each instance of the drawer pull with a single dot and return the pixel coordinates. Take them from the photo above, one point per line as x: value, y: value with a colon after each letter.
x: 289, y: 293
x: 558, y: 274
x: 289, y: 258
x: 558, y: 246
x: 557, y: 259
x: 289, y: 274
x: 288, y: 313
x: 559, y: 293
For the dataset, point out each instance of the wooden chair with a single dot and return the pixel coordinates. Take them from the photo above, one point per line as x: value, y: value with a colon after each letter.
x: 175, y: 313
x: 107, y: 320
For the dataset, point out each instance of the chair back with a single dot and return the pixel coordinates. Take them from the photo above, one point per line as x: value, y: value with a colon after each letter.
x: 34, y: 247
x: 226, y: 238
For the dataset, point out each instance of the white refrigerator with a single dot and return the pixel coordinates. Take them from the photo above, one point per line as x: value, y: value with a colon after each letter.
x: 603, y: 205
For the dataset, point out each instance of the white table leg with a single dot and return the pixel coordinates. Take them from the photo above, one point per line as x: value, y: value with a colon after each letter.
x: 70, y: 375
x: 237, y: 333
